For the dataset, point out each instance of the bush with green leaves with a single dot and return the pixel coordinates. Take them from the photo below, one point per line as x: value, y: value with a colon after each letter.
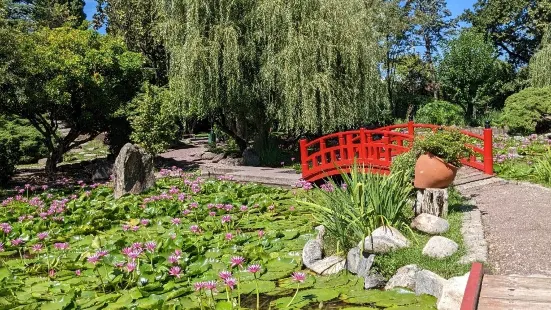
x: 154, y: 126
x: 365, y: 201
x: 528, y: 111
x: 9, y: 156
x: 448, y: 144
x: 32, y: 146
x: 440, y: 113
x: 405, y: 163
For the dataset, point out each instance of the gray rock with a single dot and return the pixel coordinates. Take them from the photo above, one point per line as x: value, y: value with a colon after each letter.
x: 357, y: 263
x: 373, y: 280
x: 250, y: 158
x: 208, y: 155
x: 452, y: 293
x: 329, y: 265
x: 102, y: 172
x: 383, y: 240
x: 321, y: 232
x: 218, y: 157
x: 404, y: 277
x: 428, y: 282
x: 312, y: 252
x: 133, y: 171
x: 440, y: 247
x: 430, y: 224
x: 231, y: 161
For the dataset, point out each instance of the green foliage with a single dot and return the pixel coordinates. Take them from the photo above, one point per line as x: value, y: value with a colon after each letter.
x: 405, y: 163
x: 527, y: 110
x: 440, y: 113
x: 76, y: 76
x: 32, y: 146
x: 154, y: 125
x: 540, y: 67
x: 307, y: 66
x: 368, y: 201
x: 542, y: 168
x: 449, y: 145
x: 9, y: 156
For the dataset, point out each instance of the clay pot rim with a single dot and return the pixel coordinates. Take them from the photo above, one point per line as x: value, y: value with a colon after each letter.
x: 429, y: 154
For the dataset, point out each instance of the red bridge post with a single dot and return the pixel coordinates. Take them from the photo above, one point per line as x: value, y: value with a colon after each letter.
x: 303, y: 155
x: 488, y: 149
x: 411, y: 129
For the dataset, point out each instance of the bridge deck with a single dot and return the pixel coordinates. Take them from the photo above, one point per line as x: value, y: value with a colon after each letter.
x: 515, y: 292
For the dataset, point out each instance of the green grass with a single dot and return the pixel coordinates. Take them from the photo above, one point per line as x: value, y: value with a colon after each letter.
x: 387, y: 264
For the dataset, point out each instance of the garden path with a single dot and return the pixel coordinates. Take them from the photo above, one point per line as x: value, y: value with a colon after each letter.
x: 515, y: 217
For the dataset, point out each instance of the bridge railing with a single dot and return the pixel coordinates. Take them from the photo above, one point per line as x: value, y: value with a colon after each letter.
x: 327, y: 155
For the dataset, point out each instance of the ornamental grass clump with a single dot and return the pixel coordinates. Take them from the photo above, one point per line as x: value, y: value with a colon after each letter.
x: 449, y: 145
x: 365, y: 201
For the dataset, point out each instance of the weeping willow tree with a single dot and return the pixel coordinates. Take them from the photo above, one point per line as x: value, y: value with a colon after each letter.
x: 305, y: 66
x: 540, y: 63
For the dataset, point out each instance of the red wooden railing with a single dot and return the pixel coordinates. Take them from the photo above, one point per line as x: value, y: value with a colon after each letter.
x: 333, y: 153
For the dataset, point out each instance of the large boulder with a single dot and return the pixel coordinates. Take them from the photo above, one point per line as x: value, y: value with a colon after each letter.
x: 452, y: 293
x: 329, y: 265
x: 428, y: 282
x: 133, y: 171
x: 405, y: 277
x: 383, y: 240
x: 208, y: 155
x: 440, y: 247
x: 250, y: 158
x: 430, y: 224
x: 359, y: 263
x: 312, y: 252
x: 374, y: 280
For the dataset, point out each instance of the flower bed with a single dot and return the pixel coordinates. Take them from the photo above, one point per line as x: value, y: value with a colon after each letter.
x: 187, y: 244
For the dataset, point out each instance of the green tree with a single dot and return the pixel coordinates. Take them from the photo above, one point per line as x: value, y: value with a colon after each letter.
x: 515, y: 27
x: 48, y: 13
x: 153, y: 124
x: 140, y: 23
x: 307, y: 66
x: 77, y: 77
x: 468, y: 69
x: 540, y: 64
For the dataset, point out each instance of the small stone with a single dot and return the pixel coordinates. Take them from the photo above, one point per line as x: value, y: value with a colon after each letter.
x: 321, y: 231
x: 250, y: 158
x: 357, y: 263
x: 312, y: 252
x: 329, y: 265
x: 231, y: 161
x: 218, y: 158
x: 430, y: 224
x: 373, y: 280
x: 440, y: 247
x: 133, y: 171
x: 404, y: 277
x: 452, y: 293
x: 208, y: 155
x: 383, y: 240
x: 428, y: 282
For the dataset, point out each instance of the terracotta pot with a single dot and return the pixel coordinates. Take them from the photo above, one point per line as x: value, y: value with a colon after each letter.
x: 432, y: 172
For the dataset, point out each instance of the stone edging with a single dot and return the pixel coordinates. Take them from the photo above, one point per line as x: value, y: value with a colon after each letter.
x: 525, y: 183
x: 473, y: 236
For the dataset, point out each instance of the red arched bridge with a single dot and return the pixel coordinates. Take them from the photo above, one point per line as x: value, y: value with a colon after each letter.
x: 329, y: 155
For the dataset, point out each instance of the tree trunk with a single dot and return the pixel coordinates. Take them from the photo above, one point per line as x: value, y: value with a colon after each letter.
x: 428, y: 56
x: 432, y: 201
x: 56, y: 156
x: 241, y: 143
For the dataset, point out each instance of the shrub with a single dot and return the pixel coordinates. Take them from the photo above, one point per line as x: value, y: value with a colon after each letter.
x: 350, y: 212
x: 440, y: 113
x: 31, y: 146
x: 405, y: 163
x: 154, y: 125
x: 528, y: 111
x: 447, y: 144
x: 9, y: 156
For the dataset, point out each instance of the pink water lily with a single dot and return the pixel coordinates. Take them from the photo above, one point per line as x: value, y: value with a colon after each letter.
x: 299, y: 277
x: 224, y: 274
x: 254, y: 268
x: 231, y: 282
x: 175, y: 272
x: 61, y: 246
x: 237, y: 261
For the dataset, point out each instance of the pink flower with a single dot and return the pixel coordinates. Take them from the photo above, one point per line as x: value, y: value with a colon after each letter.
x: 5, y: 227
x: 194, y: 205
x: 212, y: 213
x: 298, y: 277
x: 119, y: 264
x: 271, y: 208
x: 195, y: 229
x: 137, y: 245
x: 78, y: 272
x: 144, y: 222
x: 135, y: 228
x: 173, y: 259
x: 176, y: 221
x: 37, y: 247
x: 130, y: 266
x: 244, y: 208
x: 186, y: 212
x: 102, y: 253
x: 210, y: 285
x: 254, y: 268
x: 199, y: 286
x: 125, y: 227
x: 229, y: 236
x: 150, y: 246
x: 260, y: 233
x: 292, y: 159
x: 17, y: 241
x: 51, y: 273
x: 226, y: 219
x: 175, y: 271
x: 224, y: 274
x: 1, y: 247
x: 61, y: 246
x: 292, y: 208
x: 231, y: 282
x: 44, y: 187
x: 237, y: 261
x: 94, y: 259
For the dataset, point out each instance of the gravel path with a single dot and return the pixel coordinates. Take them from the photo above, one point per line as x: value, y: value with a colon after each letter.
x: 517, y: 226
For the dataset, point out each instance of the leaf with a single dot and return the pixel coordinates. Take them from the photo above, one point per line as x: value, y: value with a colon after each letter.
x: 223, y: 305
x: 61, y: 302
x: 249, y: 287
